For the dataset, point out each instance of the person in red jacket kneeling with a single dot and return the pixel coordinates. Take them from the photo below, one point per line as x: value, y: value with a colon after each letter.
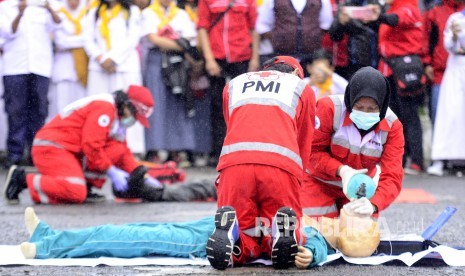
x: 269, y: 117
x: 354, y: 133
x: 83, y: 144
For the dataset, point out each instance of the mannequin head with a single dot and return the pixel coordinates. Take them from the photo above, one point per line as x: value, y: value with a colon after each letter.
x: 353, y: 235
x: 358, y: 236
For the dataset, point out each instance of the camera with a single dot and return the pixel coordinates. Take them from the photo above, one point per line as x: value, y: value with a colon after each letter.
x: 359, y: 13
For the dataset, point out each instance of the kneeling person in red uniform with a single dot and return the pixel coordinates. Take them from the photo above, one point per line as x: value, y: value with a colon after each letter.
x: 270, y: 120
x: 88, y: 135
x: 354, y: 133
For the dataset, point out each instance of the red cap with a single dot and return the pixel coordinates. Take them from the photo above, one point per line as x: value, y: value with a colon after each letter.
x: 288, y: 60
x: 142, y: 100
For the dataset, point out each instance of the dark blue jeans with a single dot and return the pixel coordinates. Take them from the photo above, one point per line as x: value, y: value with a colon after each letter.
x: 26, y: 105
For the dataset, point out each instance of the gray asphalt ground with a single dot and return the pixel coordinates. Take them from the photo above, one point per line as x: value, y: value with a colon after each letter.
x: 400, y: 218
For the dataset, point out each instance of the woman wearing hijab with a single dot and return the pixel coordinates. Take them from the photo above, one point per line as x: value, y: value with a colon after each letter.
x: 354, y: 133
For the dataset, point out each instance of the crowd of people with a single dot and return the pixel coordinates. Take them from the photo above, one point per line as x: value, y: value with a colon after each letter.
x: 56, y: 52
x: 277, y: 138
x: 199, y: 77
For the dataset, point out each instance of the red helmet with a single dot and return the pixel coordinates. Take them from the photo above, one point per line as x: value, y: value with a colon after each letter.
x: 288, y: 60
x: 142, y: 100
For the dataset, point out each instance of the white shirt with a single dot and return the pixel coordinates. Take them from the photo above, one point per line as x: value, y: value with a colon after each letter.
x: 124, y: 38
x: 265, y: 47
x: 337, y: 88
x: 266, y: 18
x: 29, y: 50
x: 454, y: 46
x: 181, y: 24
x: 65, y: 40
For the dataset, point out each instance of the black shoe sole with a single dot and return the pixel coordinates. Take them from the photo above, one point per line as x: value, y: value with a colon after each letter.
x: 7, y: 185
x: 285, y: 249
x: 219, y: 247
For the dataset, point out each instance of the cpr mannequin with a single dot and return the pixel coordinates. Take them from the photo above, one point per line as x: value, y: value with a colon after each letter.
x: 353, y: 235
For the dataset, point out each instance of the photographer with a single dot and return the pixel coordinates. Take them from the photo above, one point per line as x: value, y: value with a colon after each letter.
x: 360, y: 20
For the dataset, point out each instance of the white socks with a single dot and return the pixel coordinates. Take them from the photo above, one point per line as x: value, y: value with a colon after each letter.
x: 31, y: 220
x: 29, y: 250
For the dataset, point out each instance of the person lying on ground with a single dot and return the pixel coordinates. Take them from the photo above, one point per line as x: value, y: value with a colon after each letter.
x: 353, y: 235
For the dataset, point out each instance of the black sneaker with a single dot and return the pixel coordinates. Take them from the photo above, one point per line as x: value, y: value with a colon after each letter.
x: 220, y: 245
x: 15, y: 182
x: 285, y: 246
x: 94, y: 198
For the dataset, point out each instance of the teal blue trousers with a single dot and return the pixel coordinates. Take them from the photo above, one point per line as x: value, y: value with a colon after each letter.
x: 182, y: 239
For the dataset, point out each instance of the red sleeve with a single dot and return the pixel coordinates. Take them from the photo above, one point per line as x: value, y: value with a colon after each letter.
x: 121, y: 156
x: 226, y: 105
x: 252, y: 15
x: 390, y: 181
x: 408, y: 17
x: 306, y: 126
x: 323, y: 164
x: 95, y: 132
x: 204, y: 15
x: 427, y: 28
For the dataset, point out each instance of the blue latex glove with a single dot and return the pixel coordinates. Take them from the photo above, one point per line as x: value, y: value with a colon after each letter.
x: 153, y: 182
x: 119, y: 178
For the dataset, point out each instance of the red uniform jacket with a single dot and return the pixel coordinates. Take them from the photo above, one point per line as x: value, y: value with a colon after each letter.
x: 270, y: 120
x: 229, y: 38
x: 435, y: 23
x: 404, y: 39
x: 84, y: 127
x: 332, y: 149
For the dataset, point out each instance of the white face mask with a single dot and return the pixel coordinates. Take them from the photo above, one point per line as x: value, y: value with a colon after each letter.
x: 128, y: 121
x: 118, y: 131
x: 364, y: 120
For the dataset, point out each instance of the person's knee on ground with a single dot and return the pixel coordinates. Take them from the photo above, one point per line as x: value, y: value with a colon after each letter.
x: 76, y: 195
x: 58, y: 189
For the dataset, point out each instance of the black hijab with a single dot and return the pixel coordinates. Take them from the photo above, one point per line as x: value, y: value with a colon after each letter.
x: 368, y: 82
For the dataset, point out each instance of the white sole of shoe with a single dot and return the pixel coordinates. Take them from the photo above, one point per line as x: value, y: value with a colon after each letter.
x: 7, y: 184
x: 435, y: 173
x: 411, y: 172
x: 220, y: 245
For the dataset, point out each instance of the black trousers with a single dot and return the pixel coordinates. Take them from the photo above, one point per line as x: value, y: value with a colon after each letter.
x: 406, y: 108
x: 228, y: 70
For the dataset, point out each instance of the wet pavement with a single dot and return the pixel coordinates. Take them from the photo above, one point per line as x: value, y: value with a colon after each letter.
x: 400, y: 218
